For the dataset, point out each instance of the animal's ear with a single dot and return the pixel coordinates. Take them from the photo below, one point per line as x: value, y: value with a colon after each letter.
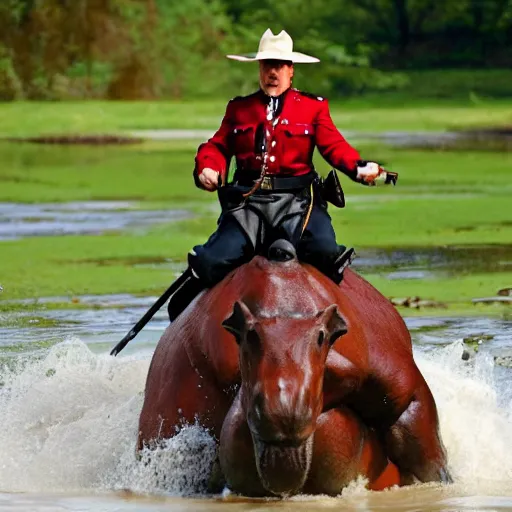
x: 240, y: 321
x: 333, y: 322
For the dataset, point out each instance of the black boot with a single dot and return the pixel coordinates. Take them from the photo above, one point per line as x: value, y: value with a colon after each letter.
x: 191, y: 287
x: 341, y: 263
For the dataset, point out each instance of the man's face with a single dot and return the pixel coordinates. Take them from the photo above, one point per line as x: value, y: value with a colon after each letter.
x: 275, y: 76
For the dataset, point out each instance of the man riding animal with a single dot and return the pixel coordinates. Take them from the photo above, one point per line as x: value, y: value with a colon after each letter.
x: 275, y: 193
x: 303, y: 384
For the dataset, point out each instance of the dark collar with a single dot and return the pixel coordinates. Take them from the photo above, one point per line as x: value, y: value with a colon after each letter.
x: 276, y: 102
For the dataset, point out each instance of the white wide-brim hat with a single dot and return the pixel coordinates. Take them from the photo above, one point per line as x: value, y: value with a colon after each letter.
x: 278, y: 47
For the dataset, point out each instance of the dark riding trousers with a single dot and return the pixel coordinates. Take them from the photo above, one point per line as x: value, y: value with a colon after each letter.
x: 247, y: 227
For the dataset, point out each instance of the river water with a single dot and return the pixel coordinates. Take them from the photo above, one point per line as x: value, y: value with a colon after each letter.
x: 69, y: 421
x: 19, y: 220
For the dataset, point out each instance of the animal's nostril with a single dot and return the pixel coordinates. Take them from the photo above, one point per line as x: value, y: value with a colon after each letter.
x: 258, y: 401
x: 257, y: 413
x: 275, y: 426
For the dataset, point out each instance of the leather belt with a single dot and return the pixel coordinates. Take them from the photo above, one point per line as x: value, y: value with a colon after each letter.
x: 273, y: 182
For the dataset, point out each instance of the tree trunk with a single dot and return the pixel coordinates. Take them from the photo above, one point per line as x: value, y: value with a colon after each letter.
x: 403, y: 26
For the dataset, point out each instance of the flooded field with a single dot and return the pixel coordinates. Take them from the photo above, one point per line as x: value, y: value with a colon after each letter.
x: 70, y: 411
x: 425, y: 262
x: 88, y: 217
x: 102, y: 320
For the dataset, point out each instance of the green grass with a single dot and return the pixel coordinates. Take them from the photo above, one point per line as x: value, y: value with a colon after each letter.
x: 36, y: 118
x: 42, y: 173
x: 72, y: 265
x: 432, y: 100
x: 161, y: 172
x: 442, y: 199
x: 451, y: 290
x: 368, y: 114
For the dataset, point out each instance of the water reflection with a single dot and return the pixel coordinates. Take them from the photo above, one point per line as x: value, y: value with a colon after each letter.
x: 425, y: 262
x: 19, y: 220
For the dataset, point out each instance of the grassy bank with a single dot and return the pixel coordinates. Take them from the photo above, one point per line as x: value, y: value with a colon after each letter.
x: 77, y: 265
x: 460, y: 187
x: 370, y: 114
x: 442, y: 199
x: 144, y: 172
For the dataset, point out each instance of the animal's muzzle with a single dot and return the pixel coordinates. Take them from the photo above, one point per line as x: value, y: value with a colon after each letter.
x: 285, y: 426
x: 283, y: 469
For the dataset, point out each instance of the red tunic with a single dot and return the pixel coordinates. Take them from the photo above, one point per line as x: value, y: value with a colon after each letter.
x: 304, y: 122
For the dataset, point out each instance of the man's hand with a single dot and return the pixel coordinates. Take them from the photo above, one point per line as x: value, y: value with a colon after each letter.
x: 368, y: 171
x: 209, y: 179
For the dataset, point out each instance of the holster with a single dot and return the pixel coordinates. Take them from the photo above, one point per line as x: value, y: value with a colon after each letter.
x: 331, y: 190
x: 230, y: 197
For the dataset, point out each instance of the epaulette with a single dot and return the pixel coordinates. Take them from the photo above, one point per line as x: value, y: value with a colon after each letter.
x: 310, y: 95
x: 240, y: 98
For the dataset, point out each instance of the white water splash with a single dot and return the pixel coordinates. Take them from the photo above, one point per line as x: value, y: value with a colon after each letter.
x: 66, y: 418
x: 69, y: 423
x: 477, y: 431
x: 181, y: 466
x: 70, y: 419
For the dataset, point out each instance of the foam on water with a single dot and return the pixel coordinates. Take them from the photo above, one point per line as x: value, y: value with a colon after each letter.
x: 476, y: 430
x: 69, y: 423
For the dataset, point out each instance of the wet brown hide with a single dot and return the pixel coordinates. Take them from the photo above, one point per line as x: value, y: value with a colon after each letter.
x: 304, y: 384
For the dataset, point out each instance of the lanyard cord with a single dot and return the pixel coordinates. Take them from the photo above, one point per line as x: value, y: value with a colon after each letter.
x: 273, y: 106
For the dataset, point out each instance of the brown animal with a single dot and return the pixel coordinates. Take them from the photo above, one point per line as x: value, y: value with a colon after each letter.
x: 305, y: 385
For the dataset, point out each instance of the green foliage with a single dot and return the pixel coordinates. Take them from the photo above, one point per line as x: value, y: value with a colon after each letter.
x: 11, y: 87
x: 346, y: 81
x: 190, y: 42
x: 146, y: 49
x: 466, y: 83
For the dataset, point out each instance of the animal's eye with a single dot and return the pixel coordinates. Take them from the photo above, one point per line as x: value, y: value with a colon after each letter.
x: 321, y: 338
x: 252, y: 337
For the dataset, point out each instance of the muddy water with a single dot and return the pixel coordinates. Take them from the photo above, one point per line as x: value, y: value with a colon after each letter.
x: 403, y: 500
x: 425, y: 262
x: 53, y: 219
x: 69, y: 420
x: 103, y: 319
